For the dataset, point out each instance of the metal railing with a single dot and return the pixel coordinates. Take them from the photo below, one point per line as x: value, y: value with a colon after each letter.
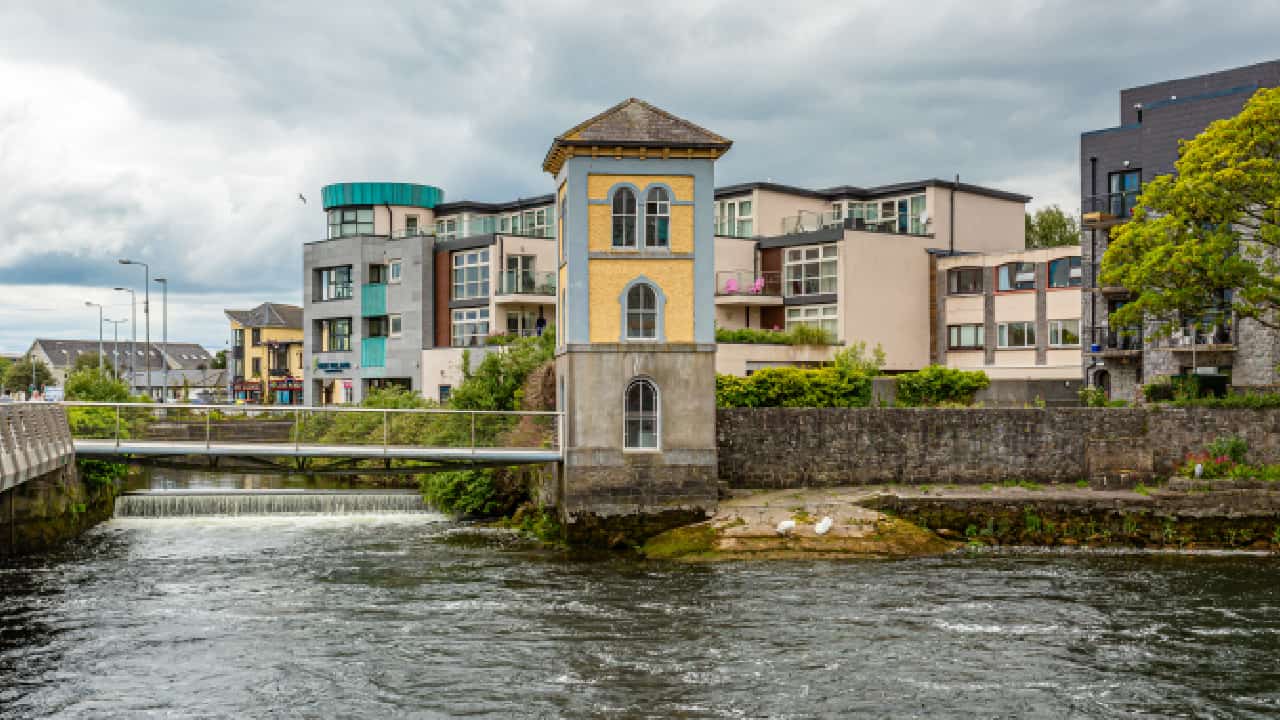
x: 766, y: 283
x: 1122, y: 338
x: 809, y: 221
x: 33, y: 441
x: 1117, y: 204
x: 527, y: 282
x: 293, y: 430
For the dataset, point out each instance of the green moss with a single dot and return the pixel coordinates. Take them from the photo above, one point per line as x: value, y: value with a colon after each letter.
x: 681, y: 542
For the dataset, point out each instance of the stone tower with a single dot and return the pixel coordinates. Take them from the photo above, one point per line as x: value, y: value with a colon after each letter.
x: 635, y: 366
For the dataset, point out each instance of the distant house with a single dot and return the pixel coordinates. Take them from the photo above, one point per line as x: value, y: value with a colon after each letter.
x: 266, y: 354
x: 61, y: 355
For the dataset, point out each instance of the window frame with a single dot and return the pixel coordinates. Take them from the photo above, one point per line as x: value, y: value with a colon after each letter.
x: 1028, y: 335
x: 1075, y: 272
x: 657, y: 218
x: 826, y: 253
x: 628, y: 311
x: 329, y: 335
x: 641, y: 415
x: 332, y: 286
x: 395, y: 268
x: 471, y: 289
x: 478, y: 323
x: 395, y: 325
x: 954, y: 331
x: 1055, y: 328
x: 624, y: 214
x: 350, y: 221
x: 1018, y: 268
x: 953, y: 284
x: 825, y: 317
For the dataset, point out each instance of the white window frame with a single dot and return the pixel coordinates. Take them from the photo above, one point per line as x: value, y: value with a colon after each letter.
x: 641, y: 312
x: 394, y: 268
x: 470, y: 327
x: 395, y: 323
x: 640, y: 416
x: 735, y: 218
x: 1055, y: 333
x: 447, y: 228
x: 628, y: 218
x: 657, y: 218
x: 525, y: 323
x: 464, y: 260
x: 980, y: 336
x: 823, y: 317
x: 816, y: 263
x: 1028, y: 335
x: 410, y: 231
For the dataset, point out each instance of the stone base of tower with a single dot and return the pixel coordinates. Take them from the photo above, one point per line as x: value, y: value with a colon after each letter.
x: 610, y: 493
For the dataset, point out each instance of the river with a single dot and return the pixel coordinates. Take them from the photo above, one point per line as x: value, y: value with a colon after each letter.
x: 366, y: 616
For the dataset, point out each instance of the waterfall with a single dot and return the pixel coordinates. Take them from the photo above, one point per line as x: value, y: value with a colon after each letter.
x: 183, y: 503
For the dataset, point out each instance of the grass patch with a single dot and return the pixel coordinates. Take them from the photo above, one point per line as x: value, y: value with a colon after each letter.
x: 1082, y: 484
x: 681, y: 542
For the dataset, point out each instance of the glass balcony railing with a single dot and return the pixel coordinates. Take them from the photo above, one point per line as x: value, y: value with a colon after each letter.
x: 811, y: 221
x: 1110, y: 206
x: 522, y: 282
x: 373, y: 352
x: 767, y: 283
x: 373, y: 299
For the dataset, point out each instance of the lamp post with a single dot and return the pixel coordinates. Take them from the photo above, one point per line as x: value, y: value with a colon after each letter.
x: 115, y: 328
x: 164, y: 337
x: 133, y: 324
x: 99, y: 306
x: 146, y: 313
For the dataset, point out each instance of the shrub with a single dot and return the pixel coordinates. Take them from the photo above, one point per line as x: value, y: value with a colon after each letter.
x: 91, y: 385
x: 1158, y: 391
x: 937, y: 385
x: 799, y: 335
x: 1238, y: 401
x: 1232, y: 447
x: 855, y: 358
x: 1093, y: 396
x: 482, y: 493
x: 795, y: 387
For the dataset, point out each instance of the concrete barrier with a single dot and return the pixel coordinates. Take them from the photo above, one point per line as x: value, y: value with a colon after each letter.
x: 35, y: 440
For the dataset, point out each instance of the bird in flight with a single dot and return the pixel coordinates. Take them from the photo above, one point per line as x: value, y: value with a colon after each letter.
x: 302, y: 198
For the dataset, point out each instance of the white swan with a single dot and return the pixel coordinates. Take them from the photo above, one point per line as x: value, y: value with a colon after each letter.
x: 824, y: 525
x: 786, y: 526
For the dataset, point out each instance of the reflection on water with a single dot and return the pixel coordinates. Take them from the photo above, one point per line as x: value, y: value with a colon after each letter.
x: 374, y: 617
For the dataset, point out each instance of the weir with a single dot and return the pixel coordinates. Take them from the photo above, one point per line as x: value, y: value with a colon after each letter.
x: 194, y: 503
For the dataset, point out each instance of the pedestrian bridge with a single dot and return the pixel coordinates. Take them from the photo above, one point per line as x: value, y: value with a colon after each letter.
x: 33, y: 441
x: 274, y: 431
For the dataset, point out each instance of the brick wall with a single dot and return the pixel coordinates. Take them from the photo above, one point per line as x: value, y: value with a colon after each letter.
x: 804, y: 447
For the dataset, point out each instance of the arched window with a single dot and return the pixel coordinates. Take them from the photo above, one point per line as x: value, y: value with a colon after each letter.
x: 640, y: 416
x: 642, y: 312
x: 657, y: 217
x: 624, y: 218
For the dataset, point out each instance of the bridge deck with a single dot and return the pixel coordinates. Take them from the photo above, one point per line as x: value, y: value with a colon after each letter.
x: 174, y: 447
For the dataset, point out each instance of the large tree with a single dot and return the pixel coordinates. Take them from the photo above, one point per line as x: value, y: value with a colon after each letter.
x: 1051, y: 227
x: 1210, y: 231
x: 18, y: 376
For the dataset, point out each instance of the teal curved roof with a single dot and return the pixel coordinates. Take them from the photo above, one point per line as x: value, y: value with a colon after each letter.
x: 381, y: 193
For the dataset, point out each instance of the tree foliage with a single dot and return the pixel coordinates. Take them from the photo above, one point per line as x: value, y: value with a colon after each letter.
x: 1211, y: 229
x: 18, y: 376
x: 795, y: 387
x: 219, y: 360
x: 95, y: 386
x: 1051, y: 227
x: 497, y: 382
x: 937, y: 385
x: 87, y: 361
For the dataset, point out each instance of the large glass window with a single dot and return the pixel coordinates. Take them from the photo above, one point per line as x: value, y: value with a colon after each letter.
x: 335, y: 335
x: 1124, y: 188
x: 522, y: 323
x: 822, y: 317
x: 624, y: 218
x: 657, y: 218
x: 642, y: 312
x: 964, y: 281
x: 640, y: 416
x: 1017, y: 276
x: 346, y: 222
x: 733, y: 218
x: 393, y: 271
x: 1065, y: 272
x: 470, y: 327
x: 447, y: 229
x: 335, y: 283
x: 917, y: 226
x: 965, y: 337
x: 810, y: 270
x: 471, y: 274
x: 1064, y: 333
x: 1016, y: 335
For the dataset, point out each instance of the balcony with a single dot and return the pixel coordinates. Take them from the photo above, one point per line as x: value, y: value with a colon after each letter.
x: 373, y: 352
x: 747, y: 287
x: 1116, y: 342
x: 1212, y: 333
x: 373, y: 300
x: 1104, y: 211
x: 525, y: 287
x: 811, y: 221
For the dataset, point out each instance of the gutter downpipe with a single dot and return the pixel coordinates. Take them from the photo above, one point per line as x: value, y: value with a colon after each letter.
x: 952, y: 227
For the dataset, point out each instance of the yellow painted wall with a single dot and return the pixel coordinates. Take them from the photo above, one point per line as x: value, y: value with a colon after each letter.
x: 270, y: 335
x: 609, y: 277
x: 600, y: 229
x: 560, y: 220
x: 598, y: 185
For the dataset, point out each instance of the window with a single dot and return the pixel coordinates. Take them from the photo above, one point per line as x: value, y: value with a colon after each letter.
x: 445, y: 392
x: 238, y: 338
x: 393, y: 271
x: 822, y: 317
x: 257, y: 336
x: 624, y: 218
x: 1064, y: 333
x: 519, y: 277
x: 657, y: 218
x: 640, y: 416
x: 394, y: 323
x: 1065, y: 272
x: 410, y: 225
x: 867, y: 211
x: 470, y: 327
x: 733, y: 218
x: 965, y: 337
x: 642, y: 312
x: 257, y: 367
x: 471, y: 274
x: 917, y: 225
x: 1017, y: 276
x: 1124, y: 188
x: 837, y: 211
x: 335, y: 283
x: 1016, y: 335
x: 377, y: 274
x: 522, y: 323
x: 964, y: 281
x: 335, y: 335
x: 447, y: 229
x: 376, y: 327
x: 348, y: 222
x: 810, y: 270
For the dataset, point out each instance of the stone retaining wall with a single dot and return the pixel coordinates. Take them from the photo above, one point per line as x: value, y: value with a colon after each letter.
x: 821, y: 447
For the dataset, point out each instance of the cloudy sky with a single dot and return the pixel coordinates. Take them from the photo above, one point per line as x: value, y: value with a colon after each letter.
x: 181, y: 133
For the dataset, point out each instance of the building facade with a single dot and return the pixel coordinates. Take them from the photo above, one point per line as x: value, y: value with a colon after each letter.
x: 1114, y: 165
x: 266, y: 358
x: 124, y: 359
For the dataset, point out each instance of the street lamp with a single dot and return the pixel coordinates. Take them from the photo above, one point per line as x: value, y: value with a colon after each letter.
x: 164, y: 338
x: 116, y: 351
x: 133, y: 348
x: 146, y: 312
x: 99, y: 306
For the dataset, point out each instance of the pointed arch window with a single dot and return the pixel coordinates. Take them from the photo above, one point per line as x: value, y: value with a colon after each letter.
x: 642, y: 312
x: 624, y: 218
x: 657, y: 218
x: 640, y: 416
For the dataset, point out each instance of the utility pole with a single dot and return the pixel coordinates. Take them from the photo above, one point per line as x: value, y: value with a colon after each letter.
x: 133, y: 324
x: 146, y: 314
x: 99, y: 306
x: 164, y: 341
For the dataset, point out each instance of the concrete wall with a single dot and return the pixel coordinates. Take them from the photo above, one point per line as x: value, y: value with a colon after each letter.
x: 792, y: 447
x: 738, y: 358
x: 983, y: 224
x: 884, y: 295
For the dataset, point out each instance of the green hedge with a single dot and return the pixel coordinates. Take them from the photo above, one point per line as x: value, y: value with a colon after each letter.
x: 937, y: 385
x: 795, y: 387
x: 799, y: 335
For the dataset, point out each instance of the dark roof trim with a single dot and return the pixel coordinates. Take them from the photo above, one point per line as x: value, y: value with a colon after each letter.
x: 853, y: 192
x: 813, y: 237
x: 466, y: 243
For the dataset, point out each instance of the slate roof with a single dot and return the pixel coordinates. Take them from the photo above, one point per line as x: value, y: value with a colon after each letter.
x: 62, y: 354
x: 269, y: 314
x: 634, y: 123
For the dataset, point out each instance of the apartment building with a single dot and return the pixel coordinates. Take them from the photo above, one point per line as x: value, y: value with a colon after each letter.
x: 1013, y: 315
x: 853, y: 261
x: 265, y: 361
x: 404, y: 283
x: 1115, y: 163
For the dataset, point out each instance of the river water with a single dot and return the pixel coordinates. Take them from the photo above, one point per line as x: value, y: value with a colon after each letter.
x: 363, y: 616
